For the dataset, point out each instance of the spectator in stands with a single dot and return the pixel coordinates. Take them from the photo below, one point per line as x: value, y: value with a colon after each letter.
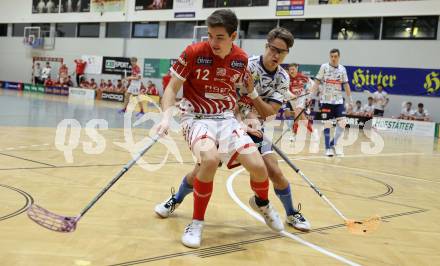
x: 407, y: 112
x: 357, y: 109
x: 48, y: 82
x: 120, y: 88
x: 68, y: 82
x: 369, y: 108
x: 421, y: 114
x: 83, y: 83
x: 151, y: 88
x: 110, y: 86
x: 63, y: 73
x: 102, y: 85
x: 37, y: 73
x: 80, y: 67
x: 93, y: 84
x: 380, y: 99
x: 45, y: 73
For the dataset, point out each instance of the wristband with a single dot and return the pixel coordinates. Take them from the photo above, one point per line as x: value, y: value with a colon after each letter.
x: 253, y: 95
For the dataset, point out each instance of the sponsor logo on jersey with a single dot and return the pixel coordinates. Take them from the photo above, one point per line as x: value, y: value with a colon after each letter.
x: 235, y: 77
x: 221, y: 72
x: 204, y: 61
x: 182, y: 59
x: 237, y: 64
x: 216, y: 90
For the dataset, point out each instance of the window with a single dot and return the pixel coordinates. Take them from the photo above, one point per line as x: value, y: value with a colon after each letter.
x: 356, y: 29
x: 257, y: 29
x: 145, y: 29
x: 180, y: 29
x: 44, y: 28
x: 18, y: 29
x: 303, y: 29
x: 424, y: 28
x: 88, y: 30
x: 3, y: 30
x: 118, y: 30
x: 66, y: 30
x: 234, y: 3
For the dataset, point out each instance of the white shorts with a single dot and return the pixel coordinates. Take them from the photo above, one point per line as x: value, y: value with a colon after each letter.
x: 227, y: 134
x: 299, y: 103
x: 133, y: 89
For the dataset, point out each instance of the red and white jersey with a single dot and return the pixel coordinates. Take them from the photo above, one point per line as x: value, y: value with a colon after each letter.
x: 135, y: 72
x: 209, y: 86
x: 298, y: 84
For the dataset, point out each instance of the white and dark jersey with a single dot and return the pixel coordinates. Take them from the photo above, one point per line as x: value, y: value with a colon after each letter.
x: 368, y: 108
x: 406, y: 112
x: 419, y: 115
x: 380, y: 100
x: 332, y: 78
x: 271, y: 86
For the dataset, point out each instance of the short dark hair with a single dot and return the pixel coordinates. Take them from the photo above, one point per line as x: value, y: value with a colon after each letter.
x: 223, y: 18
x: 370, y: 98
x: 335, y: 50
x: 420, y: 105
x: 410, y: 103
x: 379, y: 86
x: 358, y: 101
x: 281, y: 33
x: 294, y: 65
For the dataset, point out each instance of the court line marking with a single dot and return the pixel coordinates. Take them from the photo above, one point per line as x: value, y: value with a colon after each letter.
x: 24, y: 147
x: 29, y: 160
x: 234, y: 197
x: 305, y: 159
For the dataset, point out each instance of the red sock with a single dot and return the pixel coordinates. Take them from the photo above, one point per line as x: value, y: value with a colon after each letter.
x: 295, y: 127
x: 261, y: 189
x: 309, y: 126
x: 202, y: 194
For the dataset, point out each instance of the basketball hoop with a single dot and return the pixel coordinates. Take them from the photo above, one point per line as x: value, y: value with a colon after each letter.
x: 36, y: 38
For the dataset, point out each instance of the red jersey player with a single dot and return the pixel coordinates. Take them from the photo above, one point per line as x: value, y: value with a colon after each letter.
x: 80, y: 67
x: 209, y: 72
x: 298, y: 83
x: 134, y: 87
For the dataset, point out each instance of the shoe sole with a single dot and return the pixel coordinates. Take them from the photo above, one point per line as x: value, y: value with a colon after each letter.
x: 189, y: 246
x: 158, y: 214
x: 297, y: 228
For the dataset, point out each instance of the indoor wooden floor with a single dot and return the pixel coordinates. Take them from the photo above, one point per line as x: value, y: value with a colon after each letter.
x: 400, y: 184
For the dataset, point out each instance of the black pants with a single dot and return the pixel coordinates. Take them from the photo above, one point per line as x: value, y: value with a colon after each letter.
x: 37, y: 80
x: 378, y: 112
x: 78, y: 79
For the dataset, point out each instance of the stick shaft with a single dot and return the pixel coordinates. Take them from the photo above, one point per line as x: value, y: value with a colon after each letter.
x: 117, y: 177
x: 294, y: 120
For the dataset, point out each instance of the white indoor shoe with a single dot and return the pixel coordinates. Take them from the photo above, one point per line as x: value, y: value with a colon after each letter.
x: 270, y: 215
x: 192, y: 236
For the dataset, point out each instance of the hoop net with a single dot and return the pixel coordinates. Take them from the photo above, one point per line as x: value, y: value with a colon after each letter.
x: 363, y: 227
x: 51, y: 221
